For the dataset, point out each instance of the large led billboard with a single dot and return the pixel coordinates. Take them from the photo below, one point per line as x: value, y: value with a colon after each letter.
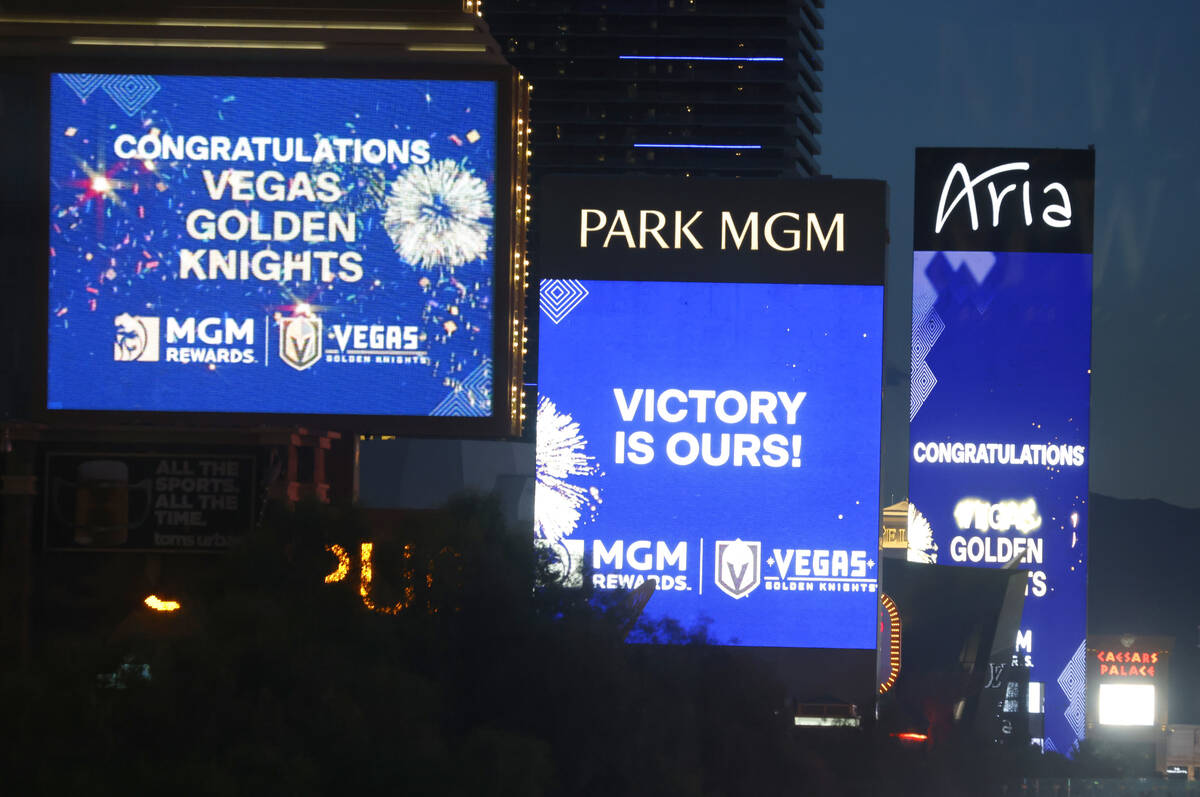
x: 709, y: 380
x: 277, y: 245
x: 1001, y: 350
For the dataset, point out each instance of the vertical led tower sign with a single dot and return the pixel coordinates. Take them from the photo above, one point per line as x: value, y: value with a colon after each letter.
x: 1001, y: 357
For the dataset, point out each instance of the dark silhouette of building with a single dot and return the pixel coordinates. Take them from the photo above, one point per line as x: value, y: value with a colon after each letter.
x: 698, y: 87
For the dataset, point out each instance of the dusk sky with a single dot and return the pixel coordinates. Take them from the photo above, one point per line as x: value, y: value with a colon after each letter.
x: 1111, y: 74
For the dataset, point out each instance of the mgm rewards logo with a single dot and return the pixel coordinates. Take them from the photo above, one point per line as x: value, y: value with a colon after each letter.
x: 300, y: 339
x: 738, y: 566
x: 136, y: 338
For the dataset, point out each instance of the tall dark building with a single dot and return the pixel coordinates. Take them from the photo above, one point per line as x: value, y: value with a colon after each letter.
x: 698, y: 87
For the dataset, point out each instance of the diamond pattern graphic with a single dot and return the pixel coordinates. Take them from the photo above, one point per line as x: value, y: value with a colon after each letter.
x: 473, y: 398
x: 559, y: 297
x: 83, y: 84
x: 927, y: 328
x: 1073, y: 682
x: 956, y: 277
x: 131, y: 92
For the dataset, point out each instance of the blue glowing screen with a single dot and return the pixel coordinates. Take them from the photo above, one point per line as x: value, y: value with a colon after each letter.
x: 722, y: 439
x: 274, y: 245
x: 999, y: 444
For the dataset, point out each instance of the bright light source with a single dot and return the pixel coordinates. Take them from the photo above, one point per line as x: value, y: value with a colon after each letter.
x: 101, y: 184
x: 343, y: 566
x: 698, y: 58
x: 446, y: 47
x: 1035, y: 697
x: 829, y: 722
x: 911, y: 736
x: 159, y: 605
x: 1126, y: 704
x: 96, y: 41
x: 698, y: 146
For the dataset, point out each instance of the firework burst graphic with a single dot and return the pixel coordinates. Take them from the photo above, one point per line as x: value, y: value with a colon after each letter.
x: 439, y: 215
x: 558, y: 502
x: 921, y: 547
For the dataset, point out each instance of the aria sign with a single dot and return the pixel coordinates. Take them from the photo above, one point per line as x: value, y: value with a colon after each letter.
x: 1000, y: 393
x: 1055, y: 215
x: 1029, y: 200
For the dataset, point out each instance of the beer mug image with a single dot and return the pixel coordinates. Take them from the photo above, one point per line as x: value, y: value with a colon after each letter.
x: 97, y: 503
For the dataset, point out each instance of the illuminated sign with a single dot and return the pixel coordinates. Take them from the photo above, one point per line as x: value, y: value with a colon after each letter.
x: 1000, y: 392
x: 304, y: 246
x: 425, y: 583
x: 179, y: 500
x: 1126, y: 704
x: 1125, y: 663
x: 159, y: 605
x: 890, y: 631
x: 894, y: 529
x: 1128, y: 678
x: 719, y: 438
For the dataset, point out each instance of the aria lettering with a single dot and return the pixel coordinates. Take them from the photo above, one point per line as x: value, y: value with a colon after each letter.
x: 1053, y: 215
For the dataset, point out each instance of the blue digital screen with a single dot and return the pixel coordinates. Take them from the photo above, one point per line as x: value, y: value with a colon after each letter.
x: 271, y: 245
x: 722, y: 439
x: 999, y: 444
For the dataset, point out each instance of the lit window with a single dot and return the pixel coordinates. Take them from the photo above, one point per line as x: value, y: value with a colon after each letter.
x: 1035, y: 698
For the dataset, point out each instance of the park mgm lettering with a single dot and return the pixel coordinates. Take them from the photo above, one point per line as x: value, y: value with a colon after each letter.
x: 784, y: 231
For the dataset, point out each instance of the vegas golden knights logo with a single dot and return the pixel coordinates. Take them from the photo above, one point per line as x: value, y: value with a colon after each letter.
x: 300, y: 340
x: 737, y: 567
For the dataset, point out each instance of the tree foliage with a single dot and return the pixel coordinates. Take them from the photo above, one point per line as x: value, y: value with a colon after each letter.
x: 270, y: 680
x: 494, y: 679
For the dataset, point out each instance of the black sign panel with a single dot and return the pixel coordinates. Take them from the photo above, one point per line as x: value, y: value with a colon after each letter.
x: 715, y: 229
x: 171, y: 501
x: 1011, y: 200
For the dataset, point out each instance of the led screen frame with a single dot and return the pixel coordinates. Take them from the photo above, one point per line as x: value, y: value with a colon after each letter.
x: 844, y: 671
x: 508, y: 246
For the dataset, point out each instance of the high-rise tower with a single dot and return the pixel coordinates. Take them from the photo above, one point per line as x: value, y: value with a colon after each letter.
x: 699, y: 87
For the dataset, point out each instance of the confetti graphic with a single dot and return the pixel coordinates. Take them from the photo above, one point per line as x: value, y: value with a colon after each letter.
x: 437, y: 215
x: 559, y: 502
